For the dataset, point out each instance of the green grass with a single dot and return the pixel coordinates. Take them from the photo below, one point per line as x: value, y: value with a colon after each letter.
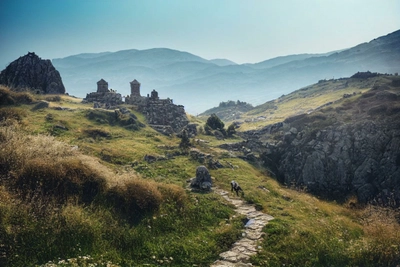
x: 307, y: 100
x: 47, y: 212
x: 142, y: 214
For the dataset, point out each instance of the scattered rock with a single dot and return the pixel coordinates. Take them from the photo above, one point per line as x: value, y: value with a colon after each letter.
x: 41, y: 105
x: 152, y: 158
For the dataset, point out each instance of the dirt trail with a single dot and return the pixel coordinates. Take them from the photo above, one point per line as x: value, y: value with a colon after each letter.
x: 247, y: 246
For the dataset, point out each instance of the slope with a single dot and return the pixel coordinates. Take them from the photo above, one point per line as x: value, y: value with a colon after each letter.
x: 141, y: 215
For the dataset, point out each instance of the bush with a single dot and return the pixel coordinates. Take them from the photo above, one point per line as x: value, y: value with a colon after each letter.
x: 135, y: 199
x: 8, y: 97
x: 96, y: 133
x: 61, y: 180
x: 214, y: 122
x: 185, y: 142
x: 173, y: 194
x: 231, y: 130
x: 53, y: 98
x: 9, y: 115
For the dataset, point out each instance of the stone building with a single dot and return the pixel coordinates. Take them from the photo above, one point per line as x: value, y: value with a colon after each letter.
x: 162, y: 114
x: 102, y: 86
x: 104, y: 97
x: 135, y: 88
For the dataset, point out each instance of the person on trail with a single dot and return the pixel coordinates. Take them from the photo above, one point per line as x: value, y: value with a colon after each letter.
x: 235, y: 186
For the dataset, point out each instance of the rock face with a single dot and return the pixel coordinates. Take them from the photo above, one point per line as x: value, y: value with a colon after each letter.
x: 202, y: 181
x: 334, y: 162
x: 353, y: 149
x: 30, y: 71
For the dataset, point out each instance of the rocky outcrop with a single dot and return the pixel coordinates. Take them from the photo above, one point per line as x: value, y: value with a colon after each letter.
x: 204, y: 158
x: 202, y: 181
x: 353, y: 149
x: 337, y: 161
x: 30, y: 71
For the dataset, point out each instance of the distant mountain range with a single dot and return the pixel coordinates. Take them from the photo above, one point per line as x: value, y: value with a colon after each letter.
x: 200, y: 84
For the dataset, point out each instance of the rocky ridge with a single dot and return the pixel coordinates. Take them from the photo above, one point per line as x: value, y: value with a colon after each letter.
x: 350, y: 148
x: 30, y: 71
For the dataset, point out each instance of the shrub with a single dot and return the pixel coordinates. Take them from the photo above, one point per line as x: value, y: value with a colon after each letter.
x: 96, y: 133
x: 173, y: 194
x: 61, y: 180
x: 231, y: 130
x: 185, y: 142
x: 53, y: 98
x: 214, y: 122
x: 9, y: 115
x: 8, y: 97
x: 17, y: 148
x: 135, y: 199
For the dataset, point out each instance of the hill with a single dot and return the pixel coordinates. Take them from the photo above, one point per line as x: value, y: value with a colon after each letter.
x: 78, y: 187
x: 228, y: 111
x: 30, y: 71
x: 336, y: 138
x: 201, y: 84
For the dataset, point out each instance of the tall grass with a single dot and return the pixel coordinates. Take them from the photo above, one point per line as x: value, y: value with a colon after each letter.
x: 57, y: 205
x: 8, y: 97
x: 310, y: 232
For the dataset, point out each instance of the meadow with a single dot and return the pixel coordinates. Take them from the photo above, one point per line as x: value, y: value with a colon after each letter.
x: 75, y: 190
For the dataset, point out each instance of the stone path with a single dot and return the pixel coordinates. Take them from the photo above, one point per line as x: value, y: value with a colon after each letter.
x: 247, y: 246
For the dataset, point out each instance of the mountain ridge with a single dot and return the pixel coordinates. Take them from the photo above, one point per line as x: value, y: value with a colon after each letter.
x: 202, y: 86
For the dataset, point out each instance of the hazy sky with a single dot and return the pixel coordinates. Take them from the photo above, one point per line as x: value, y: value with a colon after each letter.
x: 244, y: 31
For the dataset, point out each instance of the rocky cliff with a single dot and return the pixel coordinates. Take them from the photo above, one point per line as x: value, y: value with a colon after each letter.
x: 30, y: 71
x: 351, y: 147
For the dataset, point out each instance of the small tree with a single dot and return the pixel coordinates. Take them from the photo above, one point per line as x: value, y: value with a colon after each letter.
x: 231, y: 130
x: 185, y: 142
x: 214, y: 122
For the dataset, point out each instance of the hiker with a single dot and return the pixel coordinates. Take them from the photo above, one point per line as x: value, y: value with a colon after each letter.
x: 235, y: 186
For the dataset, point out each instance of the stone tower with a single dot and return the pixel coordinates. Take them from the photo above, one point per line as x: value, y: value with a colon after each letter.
x: 135, y: 88
x: 102, y: 86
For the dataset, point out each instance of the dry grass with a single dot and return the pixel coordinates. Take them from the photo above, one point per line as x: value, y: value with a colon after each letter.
x: 304, y: 100
x: 8, y: 97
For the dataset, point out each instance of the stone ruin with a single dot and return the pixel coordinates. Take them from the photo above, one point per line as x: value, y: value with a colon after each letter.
x: 104, y: 97
x: 202, y: 182
x: 161, y: 114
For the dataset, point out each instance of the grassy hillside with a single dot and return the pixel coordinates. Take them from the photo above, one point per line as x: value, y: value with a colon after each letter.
x: 309, y: 99
x: 75, y: 190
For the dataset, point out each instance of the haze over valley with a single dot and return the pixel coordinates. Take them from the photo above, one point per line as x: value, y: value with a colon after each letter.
x: 201, y: 84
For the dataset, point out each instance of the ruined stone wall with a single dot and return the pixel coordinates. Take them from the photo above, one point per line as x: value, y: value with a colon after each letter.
x: 164, y: 112
x: 109, y: 98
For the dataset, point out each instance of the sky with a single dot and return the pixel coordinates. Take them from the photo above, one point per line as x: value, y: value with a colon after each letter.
x: 244, y: 31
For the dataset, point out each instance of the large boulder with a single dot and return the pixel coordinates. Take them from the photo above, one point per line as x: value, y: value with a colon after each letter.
x: 202, y: 181
x: 30, y: 71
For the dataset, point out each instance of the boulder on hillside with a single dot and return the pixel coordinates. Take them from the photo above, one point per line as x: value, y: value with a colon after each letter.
x: 202, y: 182
x: 30, y: 71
